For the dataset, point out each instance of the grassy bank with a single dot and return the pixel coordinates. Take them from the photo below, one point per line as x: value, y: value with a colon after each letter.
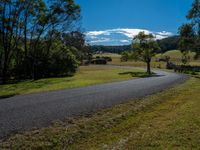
x: 88, y: 75
x: 168, y: 120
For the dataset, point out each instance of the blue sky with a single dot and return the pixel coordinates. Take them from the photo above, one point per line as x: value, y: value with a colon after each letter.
x: 152, y: 15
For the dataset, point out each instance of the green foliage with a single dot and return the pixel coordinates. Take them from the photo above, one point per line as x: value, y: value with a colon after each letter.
x: 194, y: 15
x: 186, y: 41
x: 29, y: 33
x: 124, y: 56
x: 190, y: 33
x: 76, y: 40
x: 63, y: 61
x: 145, y: 47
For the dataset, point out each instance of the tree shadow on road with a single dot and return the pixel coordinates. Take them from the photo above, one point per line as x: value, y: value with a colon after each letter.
x: 139, y: 74
x: 7, y: 96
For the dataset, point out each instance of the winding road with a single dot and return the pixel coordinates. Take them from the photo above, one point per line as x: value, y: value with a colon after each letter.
x: 25, y: 112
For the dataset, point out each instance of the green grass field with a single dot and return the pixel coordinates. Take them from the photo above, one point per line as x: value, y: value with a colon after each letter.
x: 87, y: 75
x: 168, y: 120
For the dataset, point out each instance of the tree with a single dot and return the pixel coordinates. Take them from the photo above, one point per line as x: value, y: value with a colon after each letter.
x: 124, y: 56
x: 29, y: 30
x: 194, y: 16
x: 145, y: 47
x: 190, y: 32
x: 186, y: 41
x: 76, y: 39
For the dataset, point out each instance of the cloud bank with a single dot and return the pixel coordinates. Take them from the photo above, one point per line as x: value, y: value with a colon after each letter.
x: 119, y: 36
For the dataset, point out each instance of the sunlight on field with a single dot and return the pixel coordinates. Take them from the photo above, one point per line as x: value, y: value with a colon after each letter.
x: 167, y: 120
x: 175, y: 56
x: 87, y: 75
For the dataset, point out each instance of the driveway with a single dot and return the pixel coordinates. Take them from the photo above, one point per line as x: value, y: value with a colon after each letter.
x: 25, y: 112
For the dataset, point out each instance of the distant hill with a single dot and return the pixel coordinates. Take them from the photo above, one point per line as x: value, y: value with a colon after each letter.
x: 169, y: 43
x: 110, y: 49
x: 165, y: 45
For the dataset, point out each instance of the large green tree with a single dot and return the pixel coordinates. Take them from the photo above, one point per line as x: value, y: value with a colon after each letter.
x: 145, y: 47
x: 190, y: 32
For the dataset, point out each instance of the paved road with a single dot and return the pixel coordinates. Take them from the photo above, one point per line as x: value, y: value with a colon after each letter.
x: 37, y: 110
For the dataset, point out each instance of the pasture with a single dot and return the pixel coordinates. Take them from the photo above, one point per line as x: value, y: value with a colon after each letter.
x: 175, y: 57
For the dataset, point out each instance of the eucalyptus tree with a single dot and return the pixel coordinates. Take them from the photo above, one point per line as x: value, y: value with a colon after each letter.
x: 10, y: 32
x: 28, y: 29
x: 145, y: 47
x: 190, y: 32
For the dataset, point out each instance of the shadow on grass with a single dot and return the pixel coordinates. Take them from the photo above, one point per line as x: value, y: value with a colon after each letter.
x: 138, y: 74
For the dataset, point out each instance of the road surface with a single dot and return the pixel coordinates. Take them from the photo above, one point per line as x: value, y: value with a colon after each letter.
x: 25, y: 112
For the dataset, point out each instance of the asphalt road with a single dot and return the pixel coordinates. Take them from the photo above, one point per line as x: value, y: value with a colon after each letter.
x: 25, y: 112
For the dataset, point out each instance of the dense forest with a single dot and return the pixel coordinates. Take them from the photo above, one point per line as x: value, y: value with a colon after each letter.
x: 40, y: 39
x: 166, y: 44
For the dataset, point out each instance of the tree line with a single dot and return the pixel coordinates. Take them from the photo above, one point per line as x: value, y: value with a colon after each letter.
x: 170, y: 43
x: 110, y: 49
x: 40, y: 39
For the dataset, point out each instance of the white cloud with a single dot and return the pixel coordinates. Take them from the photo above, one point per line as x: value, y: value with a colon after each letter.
x: 125, y: 35
x: 125, y: 41
x: 130, y: 33
x: 164, y: 33
x: 100, y: 40
x: 96, y: 33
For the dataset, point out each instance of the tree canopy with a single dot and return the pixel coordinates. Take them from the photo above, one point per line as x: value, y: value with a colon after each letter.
x: 145, y: 47
x: 190, y: 32
x: 37, y: 38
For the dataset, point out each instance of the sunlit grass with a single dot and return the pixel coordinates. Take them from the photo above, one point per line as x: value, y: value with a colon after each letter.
x: 87, y: 75
x: 175, y: 57
x: 168, y: 120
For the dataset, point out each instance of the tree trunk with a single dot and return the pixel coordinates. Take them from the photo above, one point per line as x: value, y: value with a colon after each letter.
x: 4, y: 73
x: 148, y: 68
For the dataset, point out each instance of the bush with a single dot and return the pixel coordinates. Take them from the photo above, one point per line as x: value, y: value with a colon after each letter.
x: 63, y: 63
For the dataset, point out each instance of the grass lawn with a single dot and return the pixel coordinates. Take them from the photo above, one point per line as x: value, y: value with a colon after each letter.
x: 168, y: 120
x: 87, y: 75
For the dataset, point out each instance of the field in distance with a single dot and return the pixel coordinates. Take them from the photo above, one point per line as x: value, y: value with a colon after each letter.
x: 175, y: 56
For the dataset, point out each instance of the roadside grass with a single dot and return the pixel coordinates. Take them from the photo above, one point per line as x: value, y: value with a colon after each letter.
x: 167, y: 120
x: 87, y: 75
